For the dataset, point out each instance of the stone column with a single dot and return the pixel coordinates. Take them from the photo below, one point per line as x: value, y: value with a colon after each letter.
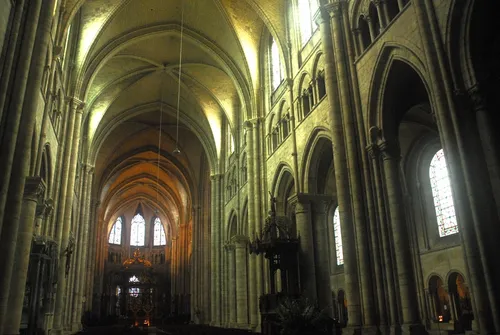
x: 307, y: 264
x: 215, y: 279
x: 321, y: 253
x: 401, y: 5
x: 350, y: 122
x: 382, y: 18
x: 79, y: 292
x: 358, y: 43
x: 15, y: 156
x: 401, y: 244
x: 33, y: 192
x: 371, y: 28
x: 241, y: 253
x: 480, y: 265
x: 252, y: 288
x: 231, y: 295
x: 380, y: 235
x: 488, y: 140
x: 341, y: 172
x: 66, y: 218
x: 18, y: 89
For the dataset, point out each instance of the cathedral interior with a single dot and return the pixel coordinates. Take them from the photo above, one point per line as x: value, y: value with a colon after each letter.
x: 212, y: 161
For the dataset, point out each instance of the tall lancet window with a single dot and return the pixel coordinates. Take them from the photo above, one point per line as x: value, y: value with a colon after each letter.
x: 441, y: 192
x: 338, y: 237
x: 159, y: 233
x: 276, y: 71
x: 137, y: 231
x: 307, y: 9
x: 115, y: 236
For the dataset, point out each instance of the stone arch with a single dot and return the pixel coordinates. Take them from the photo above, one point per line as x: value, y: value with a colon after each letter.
x: 391, y: 52
x: 232, y: 226
x: 283, y: 187
x: 314, y: 148
x: 244, y: 219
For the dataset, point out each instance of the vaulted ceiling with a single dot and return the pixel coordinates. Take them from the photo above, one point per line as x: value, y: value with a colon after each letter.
x: 126, y: 69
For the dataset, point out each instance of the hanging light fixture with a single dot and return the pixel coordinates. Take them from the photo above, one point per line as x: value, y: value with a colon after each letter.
x: 177, y: 150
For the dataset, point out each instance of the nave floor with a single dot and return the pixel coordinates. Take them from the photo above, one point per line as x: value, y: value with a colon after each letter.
x: 164, y: 330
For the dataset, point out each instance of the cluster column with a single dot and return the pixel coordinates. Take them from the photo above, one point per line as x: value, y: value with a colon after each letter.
x: 341, y: 173
x: 307, y: 264
x: 231, y: 277
x: 241, y: 254
x: 215, y: 254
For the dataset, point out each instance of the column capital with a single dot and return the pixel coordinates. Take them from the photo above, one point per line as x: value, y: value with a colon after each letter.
x: 44, y: 209
x: 76, y: 104
x: 373, y: 150
x: 240, y: 241
x: 216, y: 176
x: 334, y: 9
x: 322, y: 15
x: 476, y: 97
x: 228, y: 246
x: 34, y: 188
x: 389, y: 150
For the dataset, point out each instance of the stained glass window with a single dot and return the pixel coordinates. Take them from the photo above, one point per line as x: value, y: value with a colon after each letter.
x: 134, y: 291
x: 276, y: 72
x: 338, y: 237
x: 137, y: 231
x: 133, y: 279
x: 441, y: 192
x: 115, y: 236
x: 307, y: 9
x: 159, y: 235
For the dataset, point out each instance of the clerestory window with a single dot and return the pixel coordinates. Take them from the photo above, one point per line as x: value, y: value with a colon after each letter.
x: 306, y: 11
x: 159, y: 233
x: 137, y: 231
x: 115, y: 236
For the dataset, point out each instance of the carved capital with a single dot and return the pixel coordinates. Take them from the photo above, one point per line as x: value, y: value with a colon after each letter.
x: 477, y: 98
x: 322, y: 15
x: 335, y: 9
x: 228, y: 246
x: 76, y: 104
x: 389, y: 151
x: 44, y: 209
x: 34, y: 188
x: 373, y: 151
x: 240, y: 241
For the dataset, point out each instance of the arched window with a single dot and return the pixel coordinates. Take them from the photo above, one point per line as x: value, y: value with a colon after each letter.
x: 276, y: 71
x: 338, y: 237
x: 115, y: 236
x: 307, y: 9
x: 137, y: 231
x: 441, y: 192
x: 159, y: 233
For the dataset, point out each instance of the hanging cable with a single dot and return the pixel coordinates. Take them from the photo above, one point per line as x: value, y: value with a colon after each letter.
x: 177, y: 151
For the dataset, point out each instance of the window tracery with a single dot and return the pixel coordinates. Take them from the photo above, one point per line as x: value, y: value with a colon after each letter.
x: 441, y: 193
x: 159, y: 237
x: 137, y: 231
x: 115, y: 236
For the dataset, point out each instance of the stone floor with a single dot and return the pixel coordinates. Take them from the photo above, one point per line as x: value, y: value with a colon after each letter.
x: 164, y: 330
